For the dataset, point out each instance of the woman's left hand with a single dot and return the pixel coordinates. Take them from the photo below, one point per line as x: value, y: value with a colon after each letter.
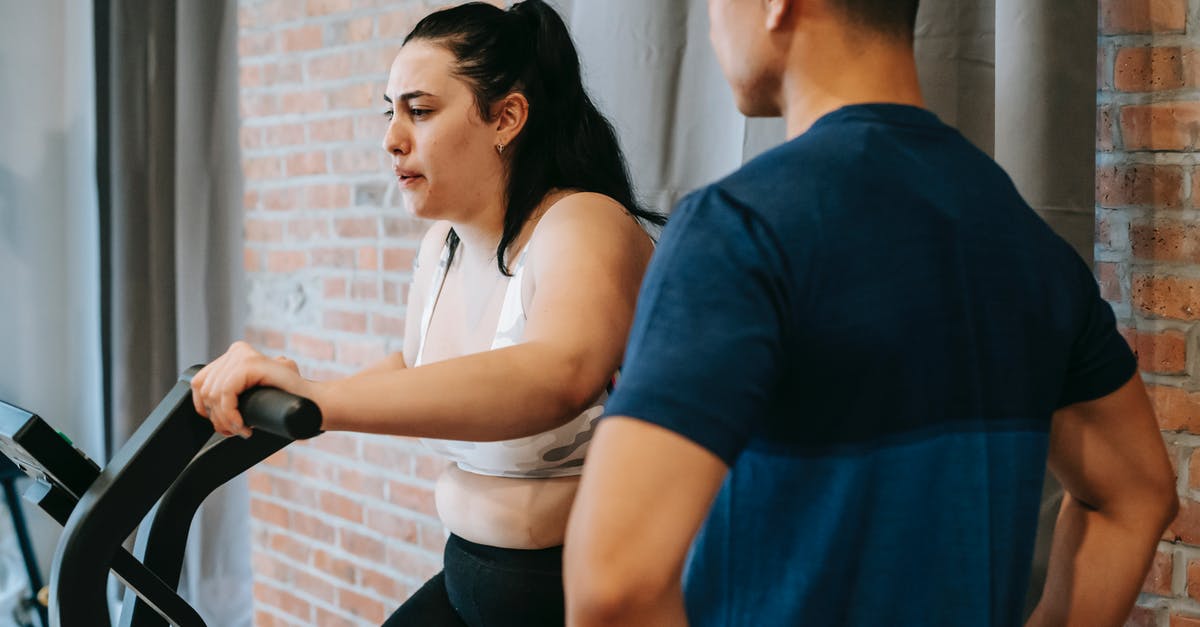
x: 216, y: 387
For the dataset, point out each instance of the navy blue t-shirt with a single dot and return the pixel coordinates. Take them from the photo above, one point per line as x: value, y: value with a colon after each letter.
x: 872, y: 329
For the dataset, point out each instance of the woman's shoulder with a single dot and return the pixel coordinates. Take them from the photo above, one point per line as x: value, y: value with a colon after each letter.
x: 582, y: 220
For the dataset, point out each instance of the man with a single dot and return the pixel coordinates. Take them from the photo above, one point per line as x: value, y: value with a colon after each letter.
x: 851, y: 361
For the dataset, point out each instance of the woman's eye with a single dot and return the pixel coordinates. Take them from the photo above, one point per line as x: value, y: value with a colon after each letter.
x: 389, y: 114
x: 417, y: 113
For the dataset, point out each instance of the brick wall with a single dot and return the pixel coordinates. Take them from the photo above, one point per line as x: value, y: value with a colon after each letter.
x: 344, y: 527
x: 1148, y: 251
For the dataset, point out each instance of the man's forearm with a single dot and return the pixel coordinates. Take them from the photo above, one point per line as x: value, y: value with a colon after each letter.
x: 1097, y: 565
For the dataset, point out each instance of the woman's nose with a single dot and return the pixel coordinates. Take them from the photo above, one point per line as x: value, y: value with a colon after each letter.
x: 396, y: 140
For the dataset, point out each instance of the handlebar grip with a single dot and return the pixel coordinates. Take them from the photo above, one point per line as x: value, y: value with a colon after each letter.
x: 281, y: 413
x: 274, y: 410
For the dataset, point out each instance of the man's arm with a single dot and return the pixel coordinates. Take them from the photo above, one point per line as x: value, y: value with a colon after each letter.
x: 644, y: 495
x: 1110, y: 458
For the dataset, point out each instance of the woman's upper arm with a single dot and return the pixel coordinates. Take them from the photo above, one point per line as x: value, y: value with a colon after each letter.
x: 428, y: 256
x: 587, y: 259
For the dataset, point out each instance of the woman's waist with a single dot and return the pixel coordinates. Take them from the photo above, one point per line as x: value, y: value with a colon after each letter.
x: 517, y: 513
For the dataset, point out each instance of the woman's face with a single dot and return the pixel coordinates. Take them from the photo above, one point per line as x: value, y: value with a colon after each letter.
x: 443, y: 153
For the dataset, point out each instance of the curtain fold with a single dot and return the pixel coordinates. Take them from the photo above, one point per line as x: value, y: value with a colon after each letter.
x: 175, y: 284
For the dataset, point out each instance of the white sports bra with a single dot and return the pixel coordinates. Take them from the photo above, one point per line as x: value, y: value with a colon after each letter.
x: 558, y: 452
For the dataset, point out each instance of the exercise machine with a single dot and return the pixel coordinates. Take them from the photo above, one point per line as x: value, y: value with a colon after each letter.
x: 153, y: 485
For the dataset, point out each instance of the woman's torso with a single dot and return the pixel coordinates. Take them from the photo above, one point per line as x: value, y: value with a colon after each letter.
x: 514, y: 493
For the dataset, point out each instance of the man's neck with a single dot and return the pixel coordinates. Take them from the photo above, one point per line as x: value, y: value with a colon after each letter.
x: 829, y: 71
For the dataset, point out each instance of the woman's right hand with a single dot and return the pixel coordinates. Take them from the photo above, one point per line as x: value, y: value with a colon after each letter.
x: 215, y: 389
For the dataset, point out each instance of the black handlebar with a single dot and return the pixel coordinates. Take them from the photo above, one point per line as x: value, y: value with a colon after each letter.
x: 275, y: 411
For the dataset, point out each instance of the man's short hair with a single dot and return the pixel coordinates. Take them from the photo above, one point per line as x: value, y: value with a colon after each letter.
x: 894, y: 18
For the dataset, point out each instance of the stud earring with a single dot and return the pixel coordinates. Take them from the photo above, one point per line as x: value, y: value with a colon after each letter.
x: 500, y: 149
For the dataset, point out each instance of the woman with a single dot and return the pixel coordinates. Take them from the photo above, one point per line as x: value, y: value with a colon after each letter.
x: 521, y: 301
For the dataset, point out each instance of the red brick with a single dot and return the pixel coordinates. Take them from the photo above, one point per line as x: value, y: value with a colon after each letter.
x: 304, y: 229
x: 396, y: 528
x: 290, y: 547
x: 311, y: 347
x: 262, y: 168
x: 412, y: 562
x: 252, y: 260
x: 362, y: 606
x: 335, y: 566
x: 334, y: 258
x: 1148, y: 69
x: 359, y: 161
x: 250, y: 200
x: 257, y: 105
x: 266, y: 339
x: 411, y: 497
x: 429, y: 467
x: 267, y: 512
x: 356, y: 228
x: 250, y: 139
x: 282, y: 73
x: 1163, y: 126
x: 398, y: 259
x: 259, y: 483
x: 306, y: 163
x: 328, y: 67
x: 334, y: 288
x: 355, y: 97
x: 1166, y: 240
x: 383, y: 585
x: 387, y: 456
x: 312, y: 527
x: 263, y: 230
x: 313, y: 587
x: 1169, y: 297
x: 361, y: 545
x: 340, y: 444
x: 1176, y: 409
x: 331, y: 130
x: 341, y: 506
x: 433, y: 537
x: 256, y: 44
x: 365, y: 289
x: 277, y: 597
x: 1158, y: 579
x: 307, y: 466
x: 395, y: 293
x: 301, y: 38
x: 1107, y: 273
x: 367, y: 258
x: 1162, y: 353
x: 351, y: 321
x: 326, y: 618
x: 326, y: 7
x: 396, y: 24
x: 282, y: 198
x: 359, y: 354
x: 387, y: 325
x: 1142, y: 16
x: 334, y: 196
x: 353, y: 31
x: 285, y: 261
x: 284, y: 135
x: 371, y: 485
x: 1159, y: 186
x: 303, y: 101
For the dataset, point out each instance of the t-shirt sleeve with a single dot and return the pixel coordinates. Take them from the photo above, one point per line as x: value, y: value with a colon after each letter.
x: 706, y: 348
x: 1101, y: 361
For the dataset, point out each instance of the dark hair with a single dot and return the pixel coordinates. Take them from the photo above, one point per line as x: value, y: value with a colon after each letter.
x: 566, y: 142
x: 895, y: 18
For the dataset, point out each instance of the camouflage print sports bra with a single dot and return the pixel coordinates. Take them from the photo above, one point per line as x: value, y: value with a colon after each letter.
x: 558, y: 452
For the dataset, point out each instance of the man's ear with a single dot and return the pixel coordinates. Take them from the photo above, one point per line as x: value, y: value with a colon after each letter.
x: 510, y: 115
x: 777, y: 11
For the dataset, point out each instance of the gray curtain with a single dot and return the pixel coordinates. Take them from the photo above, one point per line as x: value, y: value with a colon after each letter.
x: 49, y: 289
x: 175, y: 254
x: 1017, y: 77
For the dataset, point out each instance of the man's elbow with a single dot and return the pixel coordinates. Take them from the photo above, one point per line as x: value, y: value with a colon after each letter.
x: 602, y: 595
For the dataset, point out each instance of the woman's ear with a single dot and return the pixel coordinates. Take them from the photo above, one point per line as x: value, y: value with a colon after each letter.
x: 510, y: 115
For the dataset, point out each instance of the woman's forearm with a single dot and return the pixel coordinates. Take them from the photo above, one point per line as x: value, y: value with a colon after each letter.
x: 494, y: 395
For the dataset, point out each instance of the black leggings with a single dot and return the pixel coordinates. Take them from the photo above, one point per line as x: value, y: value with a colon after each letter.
x: 487, y: 586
